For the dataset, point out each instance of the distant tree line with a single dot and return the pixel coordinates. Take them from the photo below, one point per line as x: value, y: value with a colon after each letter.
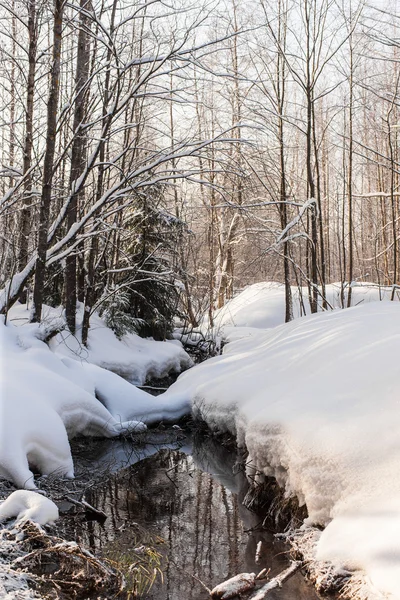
x: 155, y: 158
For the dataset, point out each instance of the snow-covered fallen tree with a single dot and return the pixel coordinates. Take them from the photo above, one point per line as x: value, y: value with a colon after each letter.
x: 316, y: 402
x: 47, y: 398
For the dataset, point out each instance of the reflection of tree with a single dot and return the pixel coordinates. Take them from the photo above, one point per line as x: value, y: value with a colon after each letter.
x: 157, y: 486
x: 207, y: 531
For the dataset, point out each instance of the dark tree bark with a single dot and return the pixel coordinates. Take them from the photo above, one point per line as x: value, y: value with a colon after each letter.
x: 280, y: 96
x: 77, y: 158
x: 45, y: 201
x: 25, y: 225
x: 311, y: 190
x: 90, y: 287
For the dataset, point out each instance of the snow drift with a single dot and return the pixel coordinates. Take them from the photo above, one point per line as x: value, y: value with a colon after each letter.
x: 26, y: 505
x: 132, y: 357
x: 262, y: 305
x: 47, y: 398
x: 317, y: 404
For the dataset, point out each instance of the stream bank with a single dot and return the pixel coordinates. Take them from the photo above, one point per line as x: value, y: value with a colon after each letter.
x: 179, y: 515
x: 186, y: 492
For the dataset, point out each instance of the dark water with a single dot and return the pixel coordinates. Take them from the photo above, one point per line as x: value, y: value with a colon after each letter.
x: 189, y: 495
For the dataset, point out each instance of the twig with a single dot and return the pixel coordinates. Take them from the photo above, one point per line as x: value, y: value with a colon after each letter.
x: 277, y: 581
x: 88, y: 507
x: 192, y: 575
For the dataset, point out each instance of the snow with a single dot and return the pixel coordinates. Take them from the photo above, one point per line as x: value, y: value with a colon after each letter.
x: 22, y: 505
x: 134, y: 358
x: 316, y: 402
x: 26, y: 505
x: 13, y: 583
x: 262, y: 305
x: 47, y: 397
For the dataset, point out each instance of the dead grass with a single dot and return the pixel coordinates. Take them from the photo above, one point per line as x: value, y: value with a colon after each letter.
x: 63, y: 570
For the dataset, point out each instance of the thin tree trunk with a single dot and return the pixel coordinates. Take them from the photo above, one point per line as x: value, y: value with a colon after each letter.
x: 280, y: 91
x: 313, y: 275
x: 350, y: 178
x: 90, y: 291
x: 77, y: 159
x: 45, y: 201
x: 25, y: 224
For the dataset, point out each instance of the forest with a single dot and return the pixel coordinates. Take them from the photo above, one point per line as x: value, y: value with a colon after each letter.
x: 156, y: 158
x: 199, y: 299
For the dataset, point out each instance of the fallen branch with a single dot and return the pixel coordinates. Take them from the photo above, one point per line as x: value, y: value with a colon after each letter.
x: 263, y: 574
x: 258, y: 552
x: 277, y: 581
x: 233, y: 587
x: 88, y: 507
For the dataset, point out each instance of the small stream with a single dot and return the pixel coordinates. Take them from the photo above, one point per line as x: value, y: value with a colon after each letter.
x: 185, y: 492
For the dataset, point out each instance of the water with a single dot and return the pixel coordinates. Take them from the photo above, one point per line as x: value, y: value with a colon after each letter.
x: 187, y: 494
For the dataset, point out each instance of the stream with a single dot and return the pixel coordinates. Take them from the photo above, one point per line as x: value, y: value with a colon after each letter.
x: 187, y: 491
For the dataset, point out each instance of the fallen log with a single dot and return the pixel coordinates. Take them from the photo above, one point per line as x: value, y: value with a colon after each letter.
x: 276, y: 581
x: 233, y: 587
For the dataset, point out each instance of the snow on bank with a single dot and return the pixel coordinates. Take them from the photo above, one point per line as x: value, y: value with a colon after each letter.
x: 14, y: 585
x: 25, y: 505
x: 22, y: 505
x: 47, y: 397
x: 133, y: 358
x: 317, y: 404
x: 262, y: 305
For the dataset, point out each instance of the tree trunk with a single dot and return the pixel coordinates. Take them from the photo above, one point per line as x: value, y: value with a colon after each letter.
x: 77, y: 159
x: 45, y: 201
x: 25, y: 224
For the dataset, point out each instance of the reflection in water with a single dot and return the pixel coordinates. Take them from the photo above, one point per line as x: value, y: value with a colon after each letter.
x: 193, y: 501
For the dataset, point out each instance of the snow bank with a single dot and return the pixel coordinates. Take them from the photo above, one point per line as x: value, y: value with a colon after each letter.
x: 262, y: 305
x: 132, y: 357
x: 317, y: 403
x: 47, y: 398
x: 26, y: 505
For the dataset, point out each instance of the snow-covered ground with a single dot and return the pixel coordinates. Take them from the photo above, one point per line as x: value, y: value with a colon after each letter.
x: 25, y: 505
x: 50, y: 395
x: 14, y: 584
x: 262, y: 305
x: 315, y: 401
x: 317, y: 404
x: 132, y: 357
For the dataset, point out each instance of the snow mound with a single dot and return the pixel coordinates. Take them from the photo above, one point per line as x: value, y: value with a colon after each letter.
x: 47, y: 398
x: 132, y: 357
x: 26, y: 505
x: 316, y: 402
x: 262, y: 305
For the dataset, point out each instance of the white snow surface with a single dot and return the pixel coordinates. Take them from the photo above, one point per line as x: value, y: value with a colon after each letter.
x: 133, y: 358
x: 47, y: 397
x: 27, y: 505
x: 262, y: 305
x: 317, y: 404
